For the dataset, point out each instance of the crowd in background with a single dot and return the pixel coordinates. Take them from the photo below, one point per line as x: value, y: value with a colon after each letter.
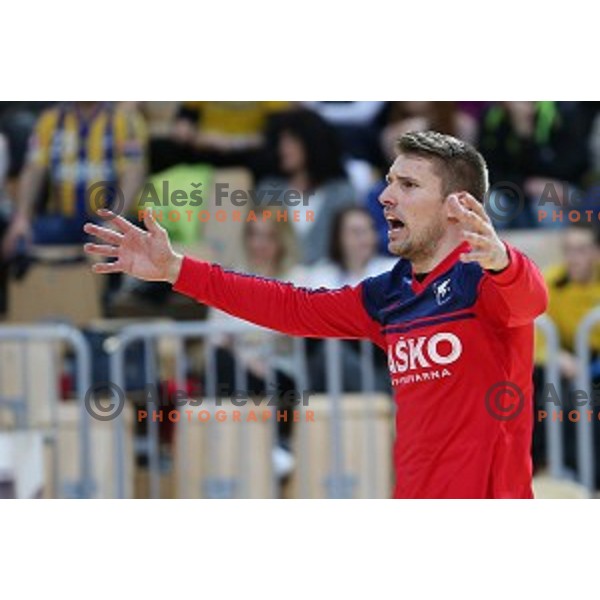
x: 337, y: 153
x: 334, y: 153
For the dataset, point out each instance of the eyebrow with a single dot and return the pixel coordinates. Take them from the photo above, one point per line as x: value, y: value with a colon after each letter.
x: 391, y: 176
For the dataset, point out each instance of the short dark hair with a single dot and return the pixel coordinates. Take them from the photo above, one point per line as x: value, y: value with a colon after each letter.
x: 320, y: 140
x: 460, y: 166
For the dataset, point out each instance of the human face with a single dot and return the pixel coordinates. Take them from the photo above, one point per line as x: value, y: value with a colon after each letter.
x: 262, y: 244
x: 291, y: 153
x: 413, y: 205
x: 581, y: 254
x: 358, y: 238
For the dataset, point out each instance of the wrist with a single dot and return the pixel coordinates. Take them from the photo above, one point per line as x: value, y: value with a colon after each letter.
x: 502, y: 264
x: 174, y: 268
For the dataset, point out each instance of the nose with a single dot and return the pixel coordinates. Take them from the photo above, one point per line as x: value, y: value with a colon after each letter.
x: 386, y: 198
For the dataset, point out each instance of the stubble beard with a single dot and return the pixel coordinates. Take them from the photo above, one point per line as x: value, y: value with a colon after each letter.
x: 419, y: 247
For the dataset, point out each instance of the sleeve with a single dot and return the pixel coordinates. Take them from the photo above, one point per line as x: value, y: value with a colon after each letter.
x: 280, y: 306
x: 516, y: 295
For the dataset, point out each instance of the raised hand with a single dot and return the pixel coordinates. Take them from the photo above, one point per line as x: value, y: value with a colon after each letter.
x: 143, y: 254
x: 487, y: 248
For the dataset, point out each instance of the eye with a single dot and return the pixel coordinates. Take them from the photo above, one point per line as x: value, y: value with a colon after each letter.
x: 409, y: 184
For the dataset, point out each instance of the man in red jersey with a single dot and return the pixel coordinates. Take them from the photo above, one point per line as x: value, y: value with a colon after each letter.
x: 455, y: 316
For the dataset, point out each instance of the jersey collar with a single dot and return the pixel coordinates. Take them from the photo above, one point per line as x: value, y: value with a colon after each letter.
x: 440, y: 268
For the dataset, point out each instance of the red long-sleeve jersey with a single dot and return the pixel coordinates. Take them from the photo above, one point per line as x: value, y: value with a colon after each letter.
x: 460, y: 354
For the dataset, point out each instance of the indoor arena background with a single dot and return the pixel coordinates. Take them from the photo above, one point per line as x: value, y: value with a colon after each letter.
x: 111, y: 387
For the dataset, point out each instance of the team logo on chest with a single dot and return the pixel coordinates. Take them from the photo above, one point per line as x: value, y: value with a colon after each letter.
x: 442, y: 291
x: 424, y: 358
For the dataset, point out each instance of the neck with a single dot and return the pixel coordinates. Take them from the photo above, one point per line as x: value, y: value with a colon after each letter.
x: 429, y: 261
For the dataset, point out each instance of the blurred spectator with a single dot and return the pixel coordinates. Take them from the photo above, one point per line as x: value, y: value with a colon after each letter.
x: 539, y: 149
x: 474, y: 109
x: 270, y: 250
x: 357, y: 124
x: 352, y: 252
x: 221, y: 134
x: 373, y: 206
x: 574, y: 290
x: 309, y: 159
x: 75, y: 146
x: 4, y: 218
x: 17, y: 121
x: 592, y: 110
x: 445, y: 117
x: 4, y: 163
x: 352, y: 258
x: 159, y: 117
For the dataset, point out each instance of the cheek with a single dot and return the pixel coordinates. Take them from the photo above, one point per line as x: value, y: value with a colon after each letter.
x: 419, y: 213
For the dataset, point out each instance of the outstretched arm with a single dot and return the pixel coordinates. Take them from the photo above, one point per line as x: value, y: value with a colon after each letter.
x: 266, y: 302
x: 277, y: 305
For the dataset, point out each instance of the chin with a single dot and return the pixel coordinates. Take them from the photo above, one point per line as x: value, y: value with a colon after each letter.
x: 401, y: 250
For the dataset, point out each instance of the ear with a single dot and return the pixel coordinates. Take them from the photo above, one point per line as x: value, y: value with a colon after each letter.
x: 449, y: 206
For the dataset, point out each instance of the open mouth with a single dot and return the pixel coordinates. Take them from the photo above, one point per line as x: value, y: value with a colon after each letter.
x: 395, y: 224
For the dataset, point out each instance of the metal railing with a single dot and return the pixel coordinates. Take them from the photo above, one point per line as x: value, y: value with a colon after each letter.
x: 554, y: 439
x: 84, y: 487
x: 338, y: 484
x: 586, y: 458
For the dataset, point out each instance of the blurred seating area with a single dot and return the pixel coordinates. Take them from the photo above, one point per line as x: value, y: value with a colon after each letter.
x: 220, y: 176
x: 204, y: 166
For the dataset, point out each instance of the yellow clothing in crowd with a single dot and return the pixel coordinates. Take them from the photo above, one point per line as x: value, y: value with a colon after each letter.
x: 234, y: 119
x: 569, y: 302
x: 77, y: 151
